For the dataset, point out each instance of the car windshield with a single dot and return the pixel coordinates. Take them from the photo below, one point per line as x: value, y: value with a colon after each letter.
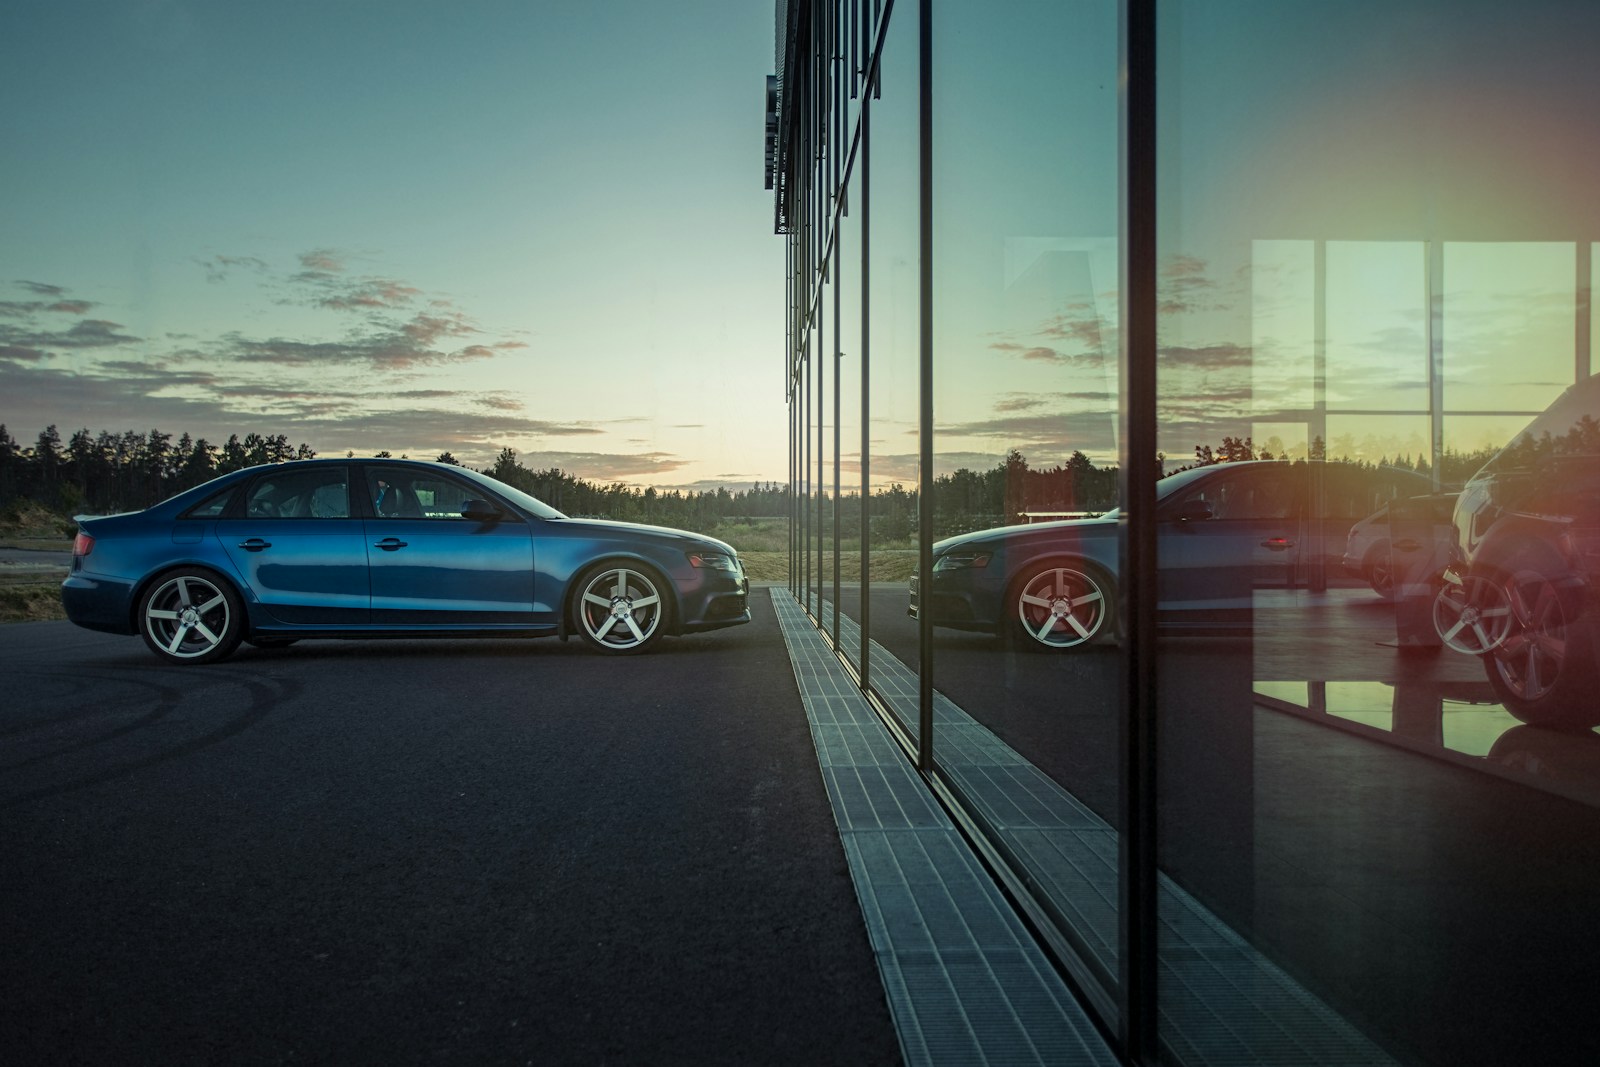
x: 1568, y: 427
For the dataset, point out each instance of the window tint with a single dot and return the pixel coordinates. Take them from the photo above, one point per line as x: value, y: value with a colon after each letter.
x: 403, y: 494
x: 212, y: 507
x: 318, y: 493
x: 1248, y: 493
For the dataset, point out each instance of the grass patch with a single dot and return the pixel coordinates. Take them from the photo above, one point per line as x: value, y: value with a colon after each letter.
x: 887, y: 566
x: 31, y: 602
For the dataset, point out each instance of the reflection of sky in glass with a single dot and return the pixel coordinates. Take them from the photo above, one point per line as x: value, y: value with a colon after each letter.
x: 894, y: 280
x: 1374, y: 438
x: 1377, y: 350
x: 1024, y: 216
x: 1284, y: 324
x: 1471, y: 135
x: 1509, y: 313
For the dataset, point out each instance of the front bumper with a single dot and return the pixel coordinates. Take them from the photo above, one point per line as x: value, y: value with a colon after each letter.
x: 720, y: 608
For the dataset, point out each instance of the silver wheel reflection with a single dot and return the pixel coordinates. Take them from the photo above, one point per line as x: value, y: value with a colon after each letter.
x: 1472, y: 615
x: 1530, y: 658
x: 1060, y: 607
x: 620, y: 609
x: 189, y: 617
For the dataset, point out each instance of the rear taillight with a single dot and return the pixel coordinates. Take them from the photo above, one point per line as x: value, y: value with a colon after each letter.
x: 82, y: 545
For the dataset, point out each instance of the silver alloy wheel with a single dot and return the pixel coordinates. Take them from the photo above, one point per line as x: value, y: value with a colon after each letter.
x: 1530, y: 658
x: 1380, y: 572
x: 189, y: 617
x: 620, y: 609
x: 1061, y: 607
x: 1472, y: 615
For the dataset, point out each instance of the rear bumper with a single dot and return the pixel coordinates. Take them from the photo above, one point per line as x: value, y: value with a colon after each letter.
x: 98, y: 603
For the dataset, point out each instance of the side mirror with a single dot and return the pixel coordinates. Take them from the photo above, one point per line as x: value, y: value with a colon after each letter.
x: 481, y: 511
x: 1193, y: 511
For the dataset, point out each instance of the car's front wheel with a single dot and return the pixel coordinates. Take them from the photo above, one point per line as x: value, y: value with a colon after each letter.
x: 1379, y: 570
x: 1060, y: 605
x: 191, y: 616
x: 620, y: 608
x: 1544, y: 671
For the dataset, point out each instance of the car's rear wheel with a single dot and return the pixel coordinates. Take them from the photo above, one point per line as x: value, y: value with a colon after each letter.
x: 191, y: 616
x: 1543, y: 671
x: 1380, y: 570
x: 620, y: 608
x: 1060, y: 605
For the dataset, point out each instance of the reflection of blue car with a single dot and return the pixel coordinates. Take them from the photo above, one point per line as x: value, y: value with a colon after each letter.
x: 387, y: 548
x: 1224, y: 531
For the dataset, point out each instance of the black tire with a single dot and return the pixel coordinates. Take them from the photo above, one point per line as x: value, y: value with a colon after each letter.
x: 621, y: 608
x: 190, y: 616
x: 1544, y: 672
x: 1060, y: 604
x: 1378, y: 568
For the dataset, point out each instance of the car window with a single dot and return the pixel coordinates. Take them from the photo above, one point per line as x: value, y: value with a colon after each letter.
x: 212, y: 507
x: 318, y: 493
x: 398, y: 493
x: 1260, y: 492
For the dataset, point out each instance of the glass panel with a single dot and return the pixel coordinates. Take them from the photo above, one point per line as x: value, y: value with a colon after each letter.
x: 1379, y: 776
x: 1025, y: 401
x: 1510, y: 306
x: 894, y: 192
x: 1377, y: 302
x: 850, y: 368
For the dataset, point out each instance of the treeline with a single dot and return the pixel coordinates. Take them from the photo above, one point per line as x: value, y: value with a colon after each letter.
x: 110, y: 472
x: 585, y: 499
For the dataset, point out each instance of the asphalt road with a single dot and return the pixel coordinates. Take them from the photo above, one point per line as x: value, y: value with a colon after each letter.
x: 441, y: 852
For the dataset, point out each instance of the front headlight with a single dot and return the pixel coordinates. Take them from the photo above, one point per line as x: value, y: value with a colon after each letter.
x: 715, y: 561
x: 955, y: 561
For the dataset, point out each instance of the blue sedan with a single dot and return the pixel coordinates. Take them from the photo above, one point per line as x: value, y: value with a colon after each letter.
x: 388, y: 548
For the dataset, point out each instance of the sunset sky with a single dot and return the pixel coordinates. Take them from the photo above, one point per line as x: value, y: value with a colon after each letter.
x: 423, y: 227
x: 407, y: 226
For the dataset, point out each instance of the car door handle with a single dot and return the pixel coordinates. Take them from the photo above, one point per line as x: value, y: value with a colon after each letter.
x: 389, y: 544
x: 1277, y: 544
x: 254, y: 544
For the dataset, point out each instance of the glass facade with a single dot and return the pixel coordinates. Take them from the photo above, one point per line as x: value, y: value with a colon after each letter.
x: 1263, y: 297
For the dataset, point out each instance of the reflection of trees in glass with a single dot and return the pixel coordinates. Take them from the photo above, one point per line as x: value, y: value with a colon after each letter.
x: 1531, y: 451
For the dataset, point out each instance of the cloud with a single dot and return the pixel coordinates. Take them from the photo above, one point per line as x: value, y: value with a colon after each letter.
x: 218, y: 268
x: 183, y: 399
x: 389, y: 346
x: 322, y: 260
x: 603, y: 466
x: 368, y: 293
x: 59, y: 304
x: 1205, y: 357
x: 353, y: 388
x: 86, y: 333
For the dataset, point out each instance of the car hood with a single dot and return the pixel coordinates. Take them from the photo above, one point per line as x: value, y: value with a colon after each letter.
x: 637, y: 528
x: 1026, y: 531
